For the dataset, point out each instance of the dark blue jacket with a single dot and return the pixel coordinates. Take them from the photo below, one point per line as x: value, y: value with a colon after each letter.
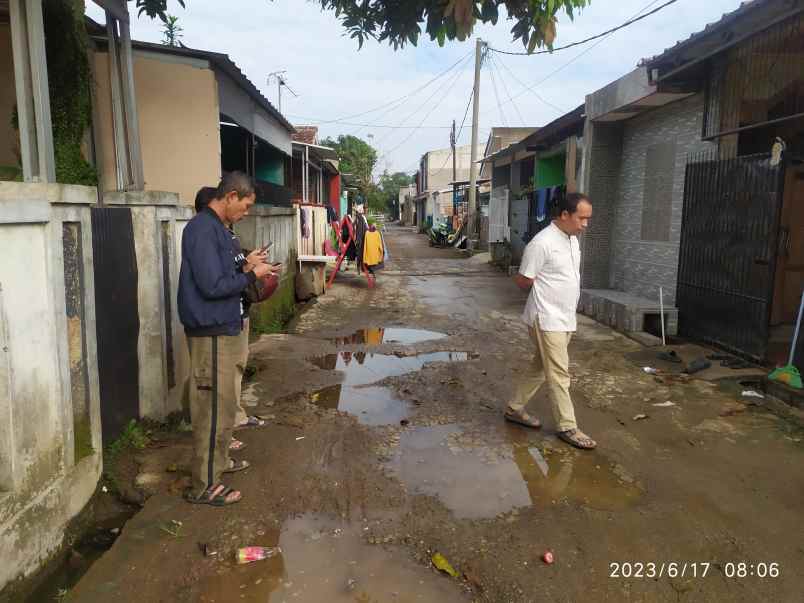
x: 210, y: 284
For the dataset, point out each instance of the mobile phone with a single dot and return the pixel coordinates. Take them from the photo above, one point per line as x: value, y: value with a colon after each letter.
x: 266, y: 247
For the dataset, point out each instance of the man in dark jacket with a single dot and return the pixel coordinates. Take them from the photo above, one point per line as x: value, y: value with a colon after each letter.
x: 209, y: 302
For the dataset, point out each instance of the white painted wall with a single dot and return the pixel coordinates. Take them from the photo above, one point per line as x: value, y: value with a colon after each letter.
x: 42, y: 485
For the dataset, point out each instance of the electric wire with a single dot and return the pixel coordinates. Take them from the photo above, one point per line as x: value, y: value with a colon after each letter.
x: 561, y: 111
x: 604, y: 34
x: 496, y: 92
x: 401, y: 98
x: 507, y: 91
x: 576, y: 57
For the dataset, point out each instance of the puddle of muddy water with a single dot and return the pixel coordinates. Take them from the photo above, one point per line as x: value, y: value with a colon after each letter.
x: 372, y: 405
x: 380, y: 336
x: 324, y: 560
x: 476, y: 481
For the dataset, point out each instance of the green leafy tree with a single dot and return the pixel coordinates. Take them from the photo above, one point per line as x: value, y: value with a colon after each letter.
x: 390, y: 184
x: 357, y: 157
x: 171, y: 31
x: 401, y: 22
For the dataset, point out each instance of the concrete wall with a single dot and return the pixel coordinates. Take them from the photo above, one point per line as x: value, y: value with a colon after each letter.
x: 439, y: 166
x: 50, y: 436
x: 640, y: 266
x: 8, y: 98
x: 177, y: 104
x: 277, y: 225
x: 626, y: 90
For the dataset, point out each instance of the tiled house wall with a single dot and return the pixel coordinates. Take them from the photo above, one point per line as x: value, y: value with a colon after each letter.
x: 602, y: 156
x: 639, y: 266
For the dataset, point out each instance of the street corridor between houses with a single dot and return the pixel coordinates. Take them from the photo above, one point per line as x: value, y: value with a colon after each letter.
x: 386, y: 471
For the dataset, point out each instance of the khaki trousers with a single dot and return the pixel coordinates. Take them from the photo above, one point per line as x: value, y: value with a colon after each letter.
x: 213, y: 381
x: 551, y: 365
x: 241, y: 416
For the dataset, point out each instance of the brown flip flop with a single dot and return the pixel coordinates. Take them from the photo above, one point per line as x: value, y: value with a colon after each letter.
x: 522, y: 418
x: 571, y: 437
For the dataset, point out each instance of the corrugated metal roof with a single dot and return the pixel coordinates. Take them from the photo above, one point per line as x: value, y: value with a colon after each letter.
x: 725, y: 20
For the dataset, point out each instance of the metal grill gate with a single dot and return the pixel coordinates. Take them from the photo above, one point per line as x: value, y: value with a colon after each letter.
x: 727, y: 259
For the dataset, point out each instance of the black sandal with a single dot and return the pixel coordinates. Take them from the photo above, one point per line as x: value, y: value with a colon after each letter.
x: 215, y: 496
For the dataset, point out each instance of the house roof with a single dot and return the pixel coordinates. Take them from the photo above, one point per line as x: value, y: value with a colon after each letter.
x: 323, y: 153
x: 750, y: 17
x: 554, y: 132
x: 501, y: 138
x: 306, y: 134
x: 216, y: 59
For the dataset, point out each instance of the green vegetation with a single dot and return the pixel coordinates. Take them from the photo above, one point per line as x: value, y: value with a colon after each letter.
x: 134, y: 436
x: 273, y: 315
x: 70, y: 78
x: 400, y: 22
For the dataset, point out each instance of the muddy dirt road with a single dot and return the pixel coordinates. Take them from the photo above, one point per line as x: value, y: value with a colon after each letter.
x: 386, y: 444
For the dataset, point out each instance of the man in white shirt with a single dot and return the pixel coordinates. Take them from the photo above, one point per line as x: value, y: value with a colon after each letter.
x: 551, y: 271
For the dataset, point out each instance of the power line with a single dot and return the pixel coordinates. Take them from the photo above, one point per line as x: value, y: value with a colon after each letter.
x: 432, y: 109
x: 496, y: 92
x: 578, y: 56
x: 530, y: 88
x: 592, y: 38
x: 507, y: 91
x: 401, y: 98
x: 417, y: 111
x: 392, y: 126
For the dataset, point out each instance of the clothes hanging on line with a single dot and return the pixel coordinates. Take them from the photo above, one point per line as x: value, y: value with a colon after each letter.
x: 361, y: 227
x: 373, y: 251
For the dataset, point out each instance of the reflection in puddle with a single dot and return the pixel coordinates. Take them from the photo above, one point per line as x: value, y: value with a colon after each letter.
x: 477, y: 481
x: 324, y: 560
x: 372, y: 405
x: 379, y: 336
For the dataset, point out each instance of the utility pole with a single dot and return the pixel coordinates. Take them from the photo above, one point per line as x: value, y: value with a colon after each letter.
x: 280, y: 81
x: 473, y: 167
x: 452, y: 143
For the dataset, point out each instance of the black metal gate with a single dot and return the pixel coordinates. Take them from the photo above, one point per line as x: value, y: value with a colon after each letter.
x: 728, y: 251
x: 117, y: 318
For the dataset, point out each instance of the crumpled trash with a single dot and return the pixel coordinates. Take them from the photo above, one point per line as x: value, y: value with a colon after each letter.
x: 441, y: 564
x: 750, y: 393
x: 640, y: 417
x: 548, y: 557
x: 650, y: 370
x: 665, y: 404
x: 250, y: 554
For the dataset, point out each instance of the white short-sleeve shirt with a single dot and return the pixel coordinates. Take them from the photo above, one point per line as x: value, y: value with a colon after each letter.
x: 553, y: 260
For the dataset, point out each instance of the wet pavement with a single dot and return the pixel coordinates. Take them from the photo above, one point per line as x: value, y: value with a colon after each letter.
x: 386, y: 444
x: 476, y: 480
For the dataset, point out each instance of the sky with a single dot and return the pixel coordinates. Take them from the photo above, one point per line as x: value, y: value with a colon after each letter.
x: 335, y: 80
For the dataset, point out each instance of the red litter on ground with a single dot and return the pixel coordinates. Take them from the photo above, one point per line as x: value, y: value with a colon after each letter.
x: 547, y: 557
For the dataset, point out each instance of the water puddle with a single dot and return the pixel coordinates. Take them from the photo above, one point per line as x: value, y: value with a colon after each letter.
x: 380, y: 336
x: 476, y: 481
x: 372, y: 405
x: 324, y: 560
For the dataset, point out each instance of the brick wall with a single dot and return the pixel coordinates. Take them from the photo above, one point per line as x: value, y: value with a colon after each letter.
x: 640, y: 266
